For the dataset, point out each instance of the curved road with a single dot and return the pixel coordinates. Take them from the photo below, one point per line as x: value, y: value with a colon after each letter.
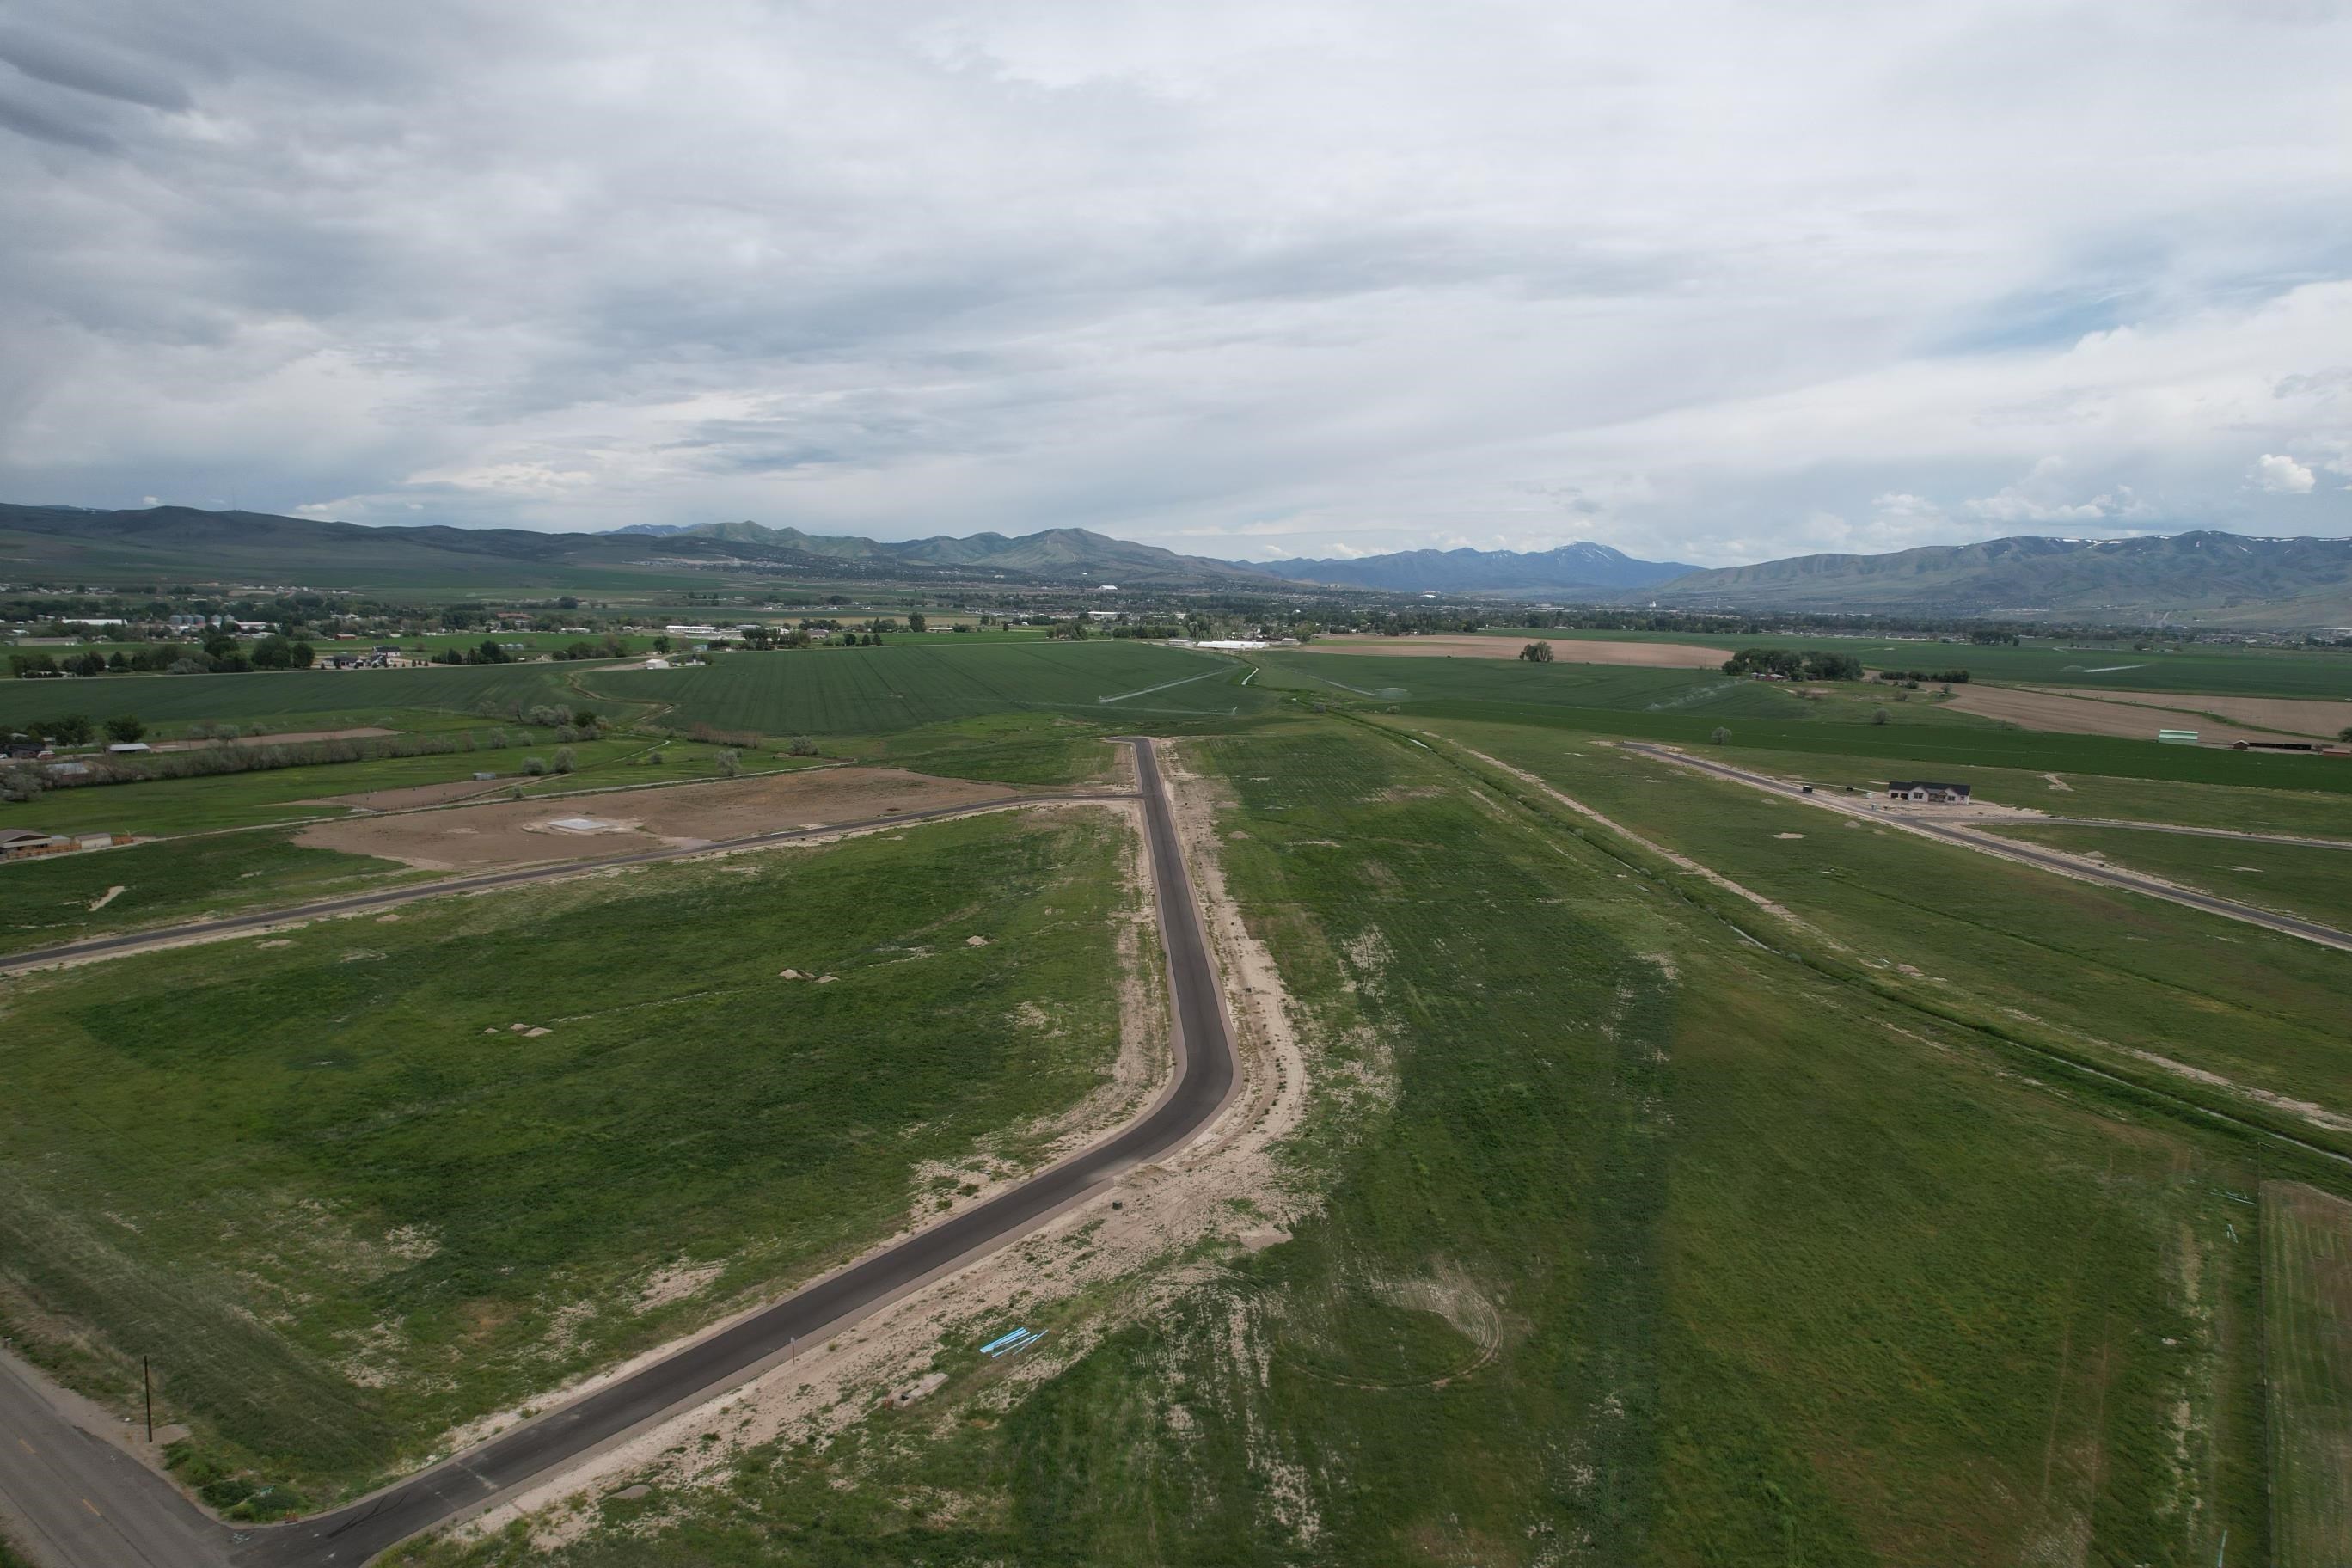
x: 2007, y: 849
x: 1205, y: 1077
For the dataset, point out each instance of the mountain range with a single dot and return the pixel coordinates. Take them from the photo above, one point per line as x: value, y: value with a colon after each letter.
x: 2205, y: 576
x: 1582, y: 568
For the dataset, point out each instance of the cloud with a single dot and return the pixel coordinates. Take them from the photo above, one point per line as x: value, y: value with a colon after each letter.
x: 1324, y: 275
x: 2281, y: 475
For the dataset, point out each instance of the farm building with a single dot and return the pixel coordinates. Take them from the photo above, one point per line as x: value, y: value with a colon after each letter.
x: 1922, y: 790
x: 16, y: 843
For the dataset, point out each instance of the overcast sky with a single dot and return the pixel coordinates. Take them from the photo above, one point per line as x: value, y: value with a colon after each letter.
x: 1713, y: 283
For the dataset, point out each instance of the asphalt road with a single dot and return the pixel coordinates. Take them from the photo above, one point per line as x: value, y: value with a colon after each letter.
x: 2007, y: 849
x: 262, y: 920
x: 73, y: 1499
x: 1205, y: 1075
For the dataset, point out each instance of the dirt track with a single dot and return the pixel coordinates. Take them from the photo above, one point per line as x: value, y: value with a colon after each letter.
x: 1642, y: 655
x: 517, y: 832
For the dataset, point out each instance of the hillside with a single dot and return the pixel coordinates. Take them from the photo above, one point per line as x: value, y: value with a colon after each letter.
x: 1580, y: 569
x: 2198, y: 576
x: 70, y: 544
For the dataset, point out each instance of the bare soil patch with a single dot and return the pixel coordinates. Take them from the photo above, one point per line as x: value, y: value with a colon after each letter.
x: 2316, y: 717
x: 1642, y: 655
x: 2094, y: 716
x: 521, y: 832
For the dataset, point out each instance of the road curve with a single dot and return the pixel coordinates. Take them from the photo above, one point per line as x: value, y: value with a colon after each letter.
x: 1206, y: 1074
x: 359, y: 903
x: 2007, y: 849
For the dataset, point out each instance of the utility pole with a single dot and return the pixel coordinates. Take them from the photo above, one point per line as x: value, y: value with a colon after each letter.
x: 147, y: 1382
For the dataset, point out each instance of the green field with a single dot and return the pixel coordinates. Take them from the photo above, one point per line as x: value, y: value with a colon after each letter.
x: 2295, y: 879
x: 1733, y: 1264
x: 1918, y: 734
x: 297, y: 699
x: 2094, y: 971
x: 344, y: 1206
x: 65, y: 898
x: 2307, y: 1262
x: 2214, y: 671
x: 905, y: 685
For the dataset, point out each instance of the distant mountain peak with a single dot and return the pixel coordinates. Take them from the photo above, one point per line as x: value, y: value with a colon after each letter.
x: 1584, y: 566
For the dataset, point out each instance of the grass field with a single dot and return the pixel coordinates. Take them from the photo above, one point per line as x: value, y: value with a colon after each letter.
x: 2217, y: 672
x: 1636, y: 1244
x: 68, y: 897
x: 1917, y: 735
x: 2113, y: 976
x: 906, y: 685
x: 2311, y: 812
x: 2315, y: 884
x: 297, y: 700
x: 344, y: 1206
x: 2308, y: 1256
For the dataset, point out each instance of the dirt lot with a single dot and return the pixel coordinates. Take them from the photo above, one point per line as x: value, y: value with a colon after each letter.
x: 1645, y: 655
x: 2090, y: 716
x: 512, y: 832
x: 2314, y: 717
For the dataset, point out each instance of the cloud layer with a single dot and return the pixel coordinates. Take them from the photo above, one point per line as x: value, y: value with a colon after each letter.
x: 1244, y: 279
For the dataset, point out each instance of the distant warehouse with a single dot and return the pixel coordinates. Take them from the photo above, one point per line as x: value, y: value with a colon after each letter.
x: 1935, y: 794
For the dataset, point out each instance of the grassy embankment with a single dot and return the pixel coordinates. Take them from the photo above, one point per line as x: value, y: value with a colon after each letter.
x: 2102, y: 974
x: 1636, y: 1244
x: 344, y: 1207
x: 2308, y: 1255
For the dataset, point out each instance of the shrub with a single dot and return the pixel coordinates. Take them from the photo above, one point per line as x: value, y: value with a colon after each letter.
x: 1878, y: 715
x: 1537, y: 653
x: 565, y: 760
x: 534, y: 765
x: 802, y: 746
x: 1719, y: 735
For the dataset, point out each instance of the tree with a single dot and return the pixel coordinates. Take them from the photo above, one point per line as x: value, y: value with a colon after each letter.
x: 565, y: 760
x: 915, y: 621
x: 1537, y: 653
x: 31, y: 666
x: 661, y: 645
x: 71, y: 729
x: 730, y: 765
x: 1720, y: 736
x: 2345, y: 734
x: 491, y: 653
x: 585, y: 717
x: 273, y: 652
x: 124, y: 728
x: 1878, y: 715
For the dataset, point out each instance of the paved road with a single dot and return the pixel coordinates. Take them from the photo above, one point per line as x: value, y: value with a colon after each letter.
x: 2007, y: 849
x: 73, y: 1499
x: 1204, y: 1080
x: 237, y: 925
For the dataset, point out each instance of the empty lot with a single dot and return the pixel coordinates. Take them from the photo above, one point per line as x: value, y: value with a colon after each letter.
x: 518, y: 832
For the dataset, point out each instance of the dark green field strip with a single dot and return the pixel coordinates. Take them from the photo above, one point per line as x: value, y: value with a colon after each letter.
x: 1928, y: 746
x: 317, y: 699
x: 2219, y: 672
